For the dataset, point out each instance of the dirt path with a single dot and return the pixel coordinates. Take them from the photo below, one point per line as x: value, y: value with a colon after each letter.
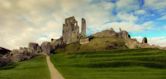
x: 53, y: 71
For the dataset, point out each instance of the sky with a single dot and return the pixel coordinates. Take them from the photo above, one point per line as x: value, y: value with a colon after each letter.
x: 24, y: 21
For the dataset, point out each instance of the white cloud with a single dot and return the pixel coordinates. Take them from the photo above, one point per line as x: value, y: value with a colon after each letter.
x: 131, y: 27
x: 127, y: 5
x: 128, y: 26
x: 148, y: 25
x: 23, y: 21
x: 160, y: 41
x: 127, y: 17
x: 139, y: 38
x: 5, y: 4
x: 162, y: 18
x: 156, y: 4
x: 165, y: 27
x: 140, y: 12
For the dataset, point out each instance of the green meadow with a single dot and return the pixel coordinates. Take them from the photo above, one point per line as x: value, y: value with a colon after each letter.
x: 114, y: 64
x: 35, y: 68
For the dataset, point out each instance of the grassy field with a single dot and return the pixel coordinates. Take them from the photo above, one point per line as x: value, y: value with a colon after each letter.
x: 115, y: 64
x: 35, y: 68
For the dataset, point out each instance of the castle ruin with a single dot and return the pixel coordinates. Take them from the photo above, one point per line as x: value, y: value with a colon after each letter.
x: 71, y: 32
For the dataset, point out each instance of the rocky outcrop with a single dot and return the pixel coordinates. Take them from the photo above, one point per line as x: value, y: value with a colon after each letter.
x: 46, y: 47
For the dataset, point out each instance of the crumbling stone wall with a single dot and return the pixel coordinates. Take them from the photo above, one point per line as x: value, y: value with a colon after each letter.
x: 70, y: 30
x: 55, y: 43
x: 124, y: 34
x: 132, y: 43
x: 22, y: 54
x: 84, y: 40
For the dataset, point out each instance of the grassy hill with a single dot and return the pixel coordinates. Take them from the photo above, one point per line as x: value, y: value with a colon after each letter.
x: 95, y: 44
x: 114, y: 64
x: 35, y: 68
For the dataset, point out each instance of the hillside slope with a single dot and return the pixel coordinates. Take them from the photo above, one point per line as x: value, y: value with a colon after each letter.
x: 35, y: 68
x: 114, y: 64
x: 95, y: 44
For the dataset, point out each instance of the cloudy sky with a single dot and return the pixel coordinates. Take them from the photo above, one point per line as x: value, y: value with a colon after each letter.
x: 23, y: 21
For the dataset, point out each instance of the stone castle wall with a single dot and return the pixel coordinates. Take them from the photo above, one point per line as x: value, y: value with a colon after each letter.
x: 71, y: 30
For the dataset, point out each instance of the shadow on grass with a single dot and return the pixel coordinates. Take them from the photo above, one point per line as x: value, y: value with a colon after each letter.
x: 123, y: 64
x: 9, y: 66
x: 4, y: 78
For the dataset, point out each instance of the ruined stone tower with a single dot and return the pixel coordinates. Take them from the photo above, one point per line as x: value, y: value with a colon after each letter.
x: 70, y: 30
x: 144, y: 40
x: 83, y: 27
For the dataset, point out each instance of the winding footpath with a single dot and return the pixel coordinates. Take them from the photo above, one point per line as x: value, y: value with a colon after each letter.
x: 53, y: 71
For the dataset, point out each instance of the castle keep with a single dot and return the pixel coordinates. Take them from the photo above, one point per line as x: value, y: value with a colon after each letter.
x: 71, y: 32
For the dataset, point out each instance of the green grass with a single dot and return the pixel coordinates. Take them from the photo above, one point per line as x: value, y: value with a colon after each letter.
x: 95, y: 44
x: 35, y: 68
x: 114, y: 64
